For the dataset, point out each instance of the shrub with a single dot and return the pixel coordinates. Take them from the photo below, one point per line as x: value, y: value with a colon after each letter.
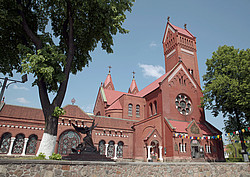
x: 55, y: 157
x: 41, y: 156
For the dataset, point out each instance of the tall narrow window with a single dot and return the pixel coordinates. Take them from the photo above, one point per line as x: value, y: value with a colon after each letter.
x: 130, y: 109
x: 150, y: 109
x: 137, y: 110
x: 155, y: 105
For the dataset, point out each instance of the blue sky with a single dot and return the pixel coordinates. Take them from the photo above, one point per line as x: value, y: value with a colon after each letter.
x: 214, y: 23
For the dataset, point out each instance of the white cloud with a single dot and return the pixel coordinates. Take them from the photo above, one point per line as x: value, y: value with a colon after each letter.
x: 153, y: 44
x: 151, y: 70
x: 22, y: 100
x: 88, y: 108
x: 20, y: 88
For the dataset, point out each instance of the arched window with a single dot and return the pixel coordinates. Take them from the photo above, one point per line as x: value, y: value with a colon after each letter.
x: 18, y: 144
x: 101, y: 147
x: 155, y: 105
x: 31, y: 145
x: 120, y: 149
x: 5, y: 143
x: 111, y: 149
x: 130, y: 109
x: 150, y: 109
x: 98, y: 113
x: 67, y: 141
x: 137, y: 110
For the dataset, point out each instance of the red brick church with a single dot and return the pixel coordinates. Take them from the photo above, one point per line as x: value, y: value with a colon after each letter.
x: 163, y: 121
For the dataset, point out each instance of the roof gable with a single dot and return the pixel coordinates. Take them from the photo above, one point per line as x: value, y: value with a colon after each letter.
x: 174, y: 28
x: 188, y: 75
x: 75, y: 111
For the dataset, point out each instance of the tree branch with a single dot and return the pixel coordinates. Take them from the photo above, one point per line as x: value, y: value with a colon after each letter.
x: 29, y: 32
x: 63, y: 85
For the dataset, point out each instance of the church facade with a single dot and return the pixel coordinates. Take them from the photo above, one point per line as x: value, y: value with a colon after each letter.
x: 162, y: 122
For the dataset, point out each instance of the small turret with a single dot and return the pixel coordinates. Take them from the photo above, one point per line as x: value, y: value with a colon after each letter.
x: 133, y: 89
x: 108, y: 84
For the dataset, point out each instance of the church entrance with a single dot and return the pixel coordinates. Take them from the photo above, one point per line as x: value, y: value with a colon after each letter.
x: 196, y: 149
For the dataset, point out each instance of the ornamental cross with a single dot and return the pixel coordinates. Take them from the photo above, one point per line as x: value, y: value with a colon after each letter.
x: 109, y: 69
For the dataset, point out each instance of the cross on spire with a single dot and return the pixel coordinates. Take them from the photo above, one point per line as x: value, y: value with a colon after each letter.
x: 109, y: 68
x: 73, y: 101
x: 185, y: 26
x: 168, y: 18
x: 133, y: 74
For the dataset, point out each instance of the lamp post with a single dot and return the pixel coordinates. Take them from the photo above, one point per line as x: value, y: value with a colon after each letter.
x: 5, y: 85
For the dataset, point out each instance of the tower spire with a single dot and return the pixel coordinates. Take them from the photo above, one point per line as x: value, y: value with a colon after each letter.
x: 133, y: 89
x: 108, y: 84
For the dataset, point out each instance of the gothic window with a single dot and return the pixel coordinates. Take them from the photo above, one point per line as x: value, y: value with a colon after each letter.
x: 183, y: 104
x: 67, y: 141
x: 130, y: 109
x: 111, y: 149
x: 5, y: 143
x: 150, y: 109
x: 18, y: 144
x: 137, y: 110
x: 31, y: 145
x: 120, y: 149
x: 155, y: 105
x: 101, y: 147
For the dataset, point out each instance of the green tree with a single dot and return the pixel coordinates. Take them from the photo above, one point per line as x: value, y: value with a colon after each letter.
x: 28, y: 48
x: 227, y: 87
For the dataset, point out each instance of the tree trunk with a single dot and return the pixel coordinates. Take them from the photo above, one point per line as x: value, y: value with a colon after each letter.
x: 243, y: 145
x: 48, y: 142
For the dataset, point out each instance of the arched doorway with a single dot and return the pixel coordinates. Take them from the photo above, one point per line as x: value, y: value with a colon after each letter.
x: 5, y: 143
x: 196, y: 150
x: 154, y: 151
x: 67, y: 141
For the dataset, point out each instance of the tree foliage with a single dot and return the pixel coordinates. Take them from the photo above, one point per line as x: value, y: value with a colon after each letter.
x: 227, y: 85
x: 79, y: 25
x: 227, y: 88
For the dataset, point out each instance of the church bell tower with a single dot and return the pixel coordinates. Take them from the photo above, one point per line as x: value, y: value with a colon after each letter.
x: 180, y: 44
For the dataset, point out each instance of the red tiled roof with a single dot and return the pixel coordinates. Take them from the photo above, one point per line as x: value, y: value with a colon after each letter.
x: 112, y: 95
x: 115, y: 105
x: 205, y: 130
x: 21, y: 112
x: 179, y: 125
x: 151, y: 87
x: 182, y: 31
x: 74, y: 111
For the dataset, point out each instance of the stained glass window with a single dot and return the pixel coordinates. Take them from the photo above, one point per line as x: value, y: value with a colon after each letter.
x: 31, y: 145
x: 102, y: 147
x: 183, y: 104
x: 120, y: 149
x: 111, y: 149
x: 18, y: 144
x: 5, y: 143
x: 68, y: 140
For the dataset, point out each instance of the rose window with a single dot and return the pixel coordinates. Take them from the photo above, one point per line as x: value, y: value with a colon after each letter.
x: 183, y: 104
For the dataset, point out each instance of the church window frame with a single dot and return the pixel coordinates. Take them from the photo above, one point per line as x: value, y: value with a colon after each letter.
x: 183, y: 104
x: 5, y: 143
x: 150, y: 109
x: 102, y: 147
x: 120, y: 147
x: 155, y: 106
x: 130, y: 109
x: 18, y: 144
x: 137, y: 110
x: 68, y: 139
x: 111, y: 149
x: 31, y: 145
